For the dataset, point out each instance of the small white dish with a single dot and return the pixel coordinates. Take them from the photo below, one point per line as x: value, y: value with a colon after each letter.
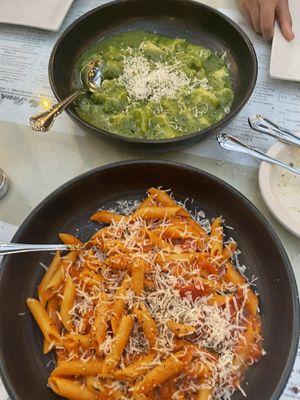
x: 285, y: 56
x: 280, y: 188
x: 43, y: 14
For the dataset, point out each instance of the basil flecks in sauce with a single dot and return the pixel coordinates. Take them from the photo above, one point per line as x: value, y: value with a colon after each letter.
x: 155, y: 87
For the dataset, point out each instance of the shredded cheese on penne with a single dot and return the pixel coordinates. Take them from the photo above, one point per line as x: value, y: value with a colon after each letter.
x: 153, y: 307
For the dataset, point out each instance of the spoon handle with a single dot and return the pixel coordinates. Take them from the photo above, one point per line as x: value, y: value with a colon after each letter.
x: 229, y: 142
x: 11, y: 248
x: 42, y: 122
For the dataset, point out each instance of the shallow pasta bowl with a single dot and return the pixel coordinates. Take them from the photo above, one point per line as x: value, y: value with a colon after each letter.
x: 198, y: 23
x: 25, y: 370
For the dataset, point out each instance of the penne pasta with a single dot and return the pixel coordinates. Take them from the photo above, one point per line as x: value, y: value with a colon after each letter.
x: 99, y: 327
x: 219, y: 300
x: 52, y: 310
x: 251, y: 302
x: 53, y: 267
x: 93, y: 382
x: 198, y: 230
x: 156, y: 212
x: 147, y: 323
x: 178, y: 231
x: 148, y: 202
x: 69, y: 239
x: 70, y: 389
x: 43, y: 320
x: 67, y: 303
x: 246, y: 346
x: 119, y: 303
x: 159, y: 242
x: 120, y: 262
x: 233, y: 275
x: 74, y: 342
x: 77, y: 367
x: 102, y: 233
x: 170, y: 367
x: 204, y: 394
x: 104, y: 390
x: 216, y: 238
x: 53, y: 284
x: 120, y: 341
x: 137, y: 368
x: 106, y: 217
x: 164, y: 199
x: 138, y: 276
x: 167, y: 389
x: 228, y: 251
x: 70, y: 257
x: 180, y: 330
x: 112, y: 246
x: 199, y: 370
x: 47, y: 346
x: 151, y: 307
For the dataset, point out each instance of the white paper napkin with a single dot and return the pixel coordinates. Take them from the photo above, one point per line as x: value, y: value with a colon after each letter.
x: 285, y: 57
x: 44, y: 14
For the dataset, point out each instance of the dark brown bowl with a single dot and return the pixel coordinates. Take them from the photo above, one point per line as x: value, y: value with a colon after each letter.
x: 25, y: 370
x: 188, y: 19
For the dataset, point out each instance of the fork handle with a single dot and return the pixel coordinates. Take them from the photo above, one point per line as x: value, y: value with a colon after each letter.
x: 232, y: 143
x: 262, y: 124
x: 12, y: 248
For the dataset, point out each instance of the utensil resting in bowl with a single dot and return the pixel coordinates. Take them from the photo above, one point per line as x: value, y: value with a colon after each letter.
x: 91, y: 80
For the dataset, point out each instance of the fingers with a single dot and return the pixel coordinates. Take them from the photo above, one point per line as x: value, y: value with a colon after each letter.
x: 254, y: 13
x: 267, y: 18
x: 246, y: 14
x: 284, y: 19
x: 261, y: 15
x: 250, y: 11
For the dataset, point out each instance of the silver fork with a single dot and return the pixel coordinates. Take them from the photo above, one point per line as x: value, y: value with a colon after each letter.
x: 229, y: 142
x: 262, y: 124
x: 12, y: 248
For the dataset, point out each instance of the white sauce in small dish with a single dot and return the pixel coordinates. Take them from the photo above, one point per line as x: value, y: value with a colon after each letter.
x: 280, y: 188
x: 288, y: 186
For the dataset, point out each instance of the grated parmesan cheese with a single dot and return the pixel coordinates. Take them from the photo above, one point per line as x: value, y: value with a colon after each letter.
x: 149, y: 80
x: 217, y: 331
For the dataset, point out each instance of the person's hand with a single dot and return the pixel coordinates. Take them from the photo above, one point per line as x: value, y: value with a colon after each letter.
x: 261, y: 15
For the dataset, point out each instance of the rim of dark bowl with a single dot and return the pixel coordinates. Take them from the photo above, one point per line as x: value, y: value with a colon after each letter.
x: 177, y: 139
x: 291, y: 276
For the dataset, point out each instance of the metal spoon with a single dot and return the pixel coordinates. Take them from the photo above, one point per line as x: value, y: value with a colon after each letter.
x: 12, y: 248
x: 229, y: 142
x: 90, y: 78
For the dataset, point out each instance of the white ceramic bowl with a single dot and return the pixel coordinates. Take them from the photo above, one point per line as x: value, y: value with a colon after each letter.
x: 280, y: 189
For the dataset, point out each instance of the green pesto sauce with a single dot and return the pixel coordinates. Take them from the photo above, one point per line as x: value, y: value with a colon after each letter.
x: 195, y: 106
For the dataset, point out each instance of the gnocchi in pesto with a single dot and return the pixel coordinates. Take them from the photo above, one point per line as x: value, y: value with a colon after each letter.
x: 155, y: 87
